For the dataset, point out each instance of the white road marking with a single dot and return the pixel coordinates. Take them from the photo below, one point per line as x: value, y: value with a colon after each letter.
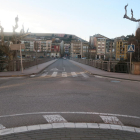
x: 32, y: 75
x: 16, y: 130
x: 54, y: 74
x: 99, y: 76
x: 111, y: 120
x: 86, y: 76
x: 88, y: 113
x: 2, y: 127
x: 44, y: 74
x: 54, y: 118
x: 64, y: 74
x: 54, y: 69
x: 73, y: 74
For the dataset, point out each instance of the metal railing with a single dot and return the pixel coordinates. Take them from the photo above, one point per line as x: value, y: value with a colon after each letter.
x: 15, y: 65
x: 110, y: 66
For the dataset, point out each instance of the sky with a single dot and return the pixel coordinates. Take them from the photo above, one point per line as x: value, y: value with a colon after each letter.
x: 83, y: 18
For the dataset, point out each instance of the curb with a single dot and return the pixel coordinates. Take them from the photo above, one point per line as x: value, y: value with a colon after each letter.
x: 29, y: 74
x: 68, y: 125
x: 103, y: 75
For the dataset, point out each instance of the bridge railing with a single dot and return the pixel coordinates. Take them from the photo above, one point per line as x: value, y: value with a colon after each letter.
x: 110, y: 66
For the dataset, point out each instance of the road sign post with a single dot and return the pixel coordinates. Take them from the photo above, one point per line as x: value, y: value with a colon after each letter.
x: 131, y: 49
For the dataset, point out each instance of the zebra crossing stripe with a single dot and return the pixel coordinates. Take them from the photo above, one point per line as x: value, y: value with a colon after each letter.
x: 54, y: 74
x: 54, y: 118
x: 111, y: 120
x: 64, y: 74
x: 44, y: 74
x: 83, y: 74
x: 73, y: 74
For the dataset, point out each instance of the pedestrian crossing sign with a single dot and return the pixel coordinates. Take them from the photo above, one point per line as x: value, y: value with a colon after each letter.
x: 131, y: 48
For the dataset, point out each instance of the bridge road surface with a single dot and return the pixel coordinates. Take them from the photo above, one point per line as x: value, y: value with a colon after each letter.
x: 65, y: 87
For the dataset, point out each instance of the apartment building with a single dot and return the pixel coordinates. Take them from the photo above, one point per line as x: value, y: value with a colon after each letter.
x: 76, y: 49
x: 55, y: 50
x: 48, y: 47
x: 66, y: 49
x: 110, y: 49
x: 97, y: 46
x: 121, y: 49
x: 85, y: 50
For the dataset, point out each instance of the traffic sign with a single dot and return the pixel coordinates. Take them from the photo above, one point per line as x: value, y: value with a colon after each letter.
x: 131, y: 48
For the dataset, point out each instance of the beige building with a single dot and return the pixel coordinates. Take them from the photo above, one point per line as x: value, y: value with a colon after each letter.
x: 76, y: 49
x: 101, y: 45
x: 85, y: 50
x: 121, y: 50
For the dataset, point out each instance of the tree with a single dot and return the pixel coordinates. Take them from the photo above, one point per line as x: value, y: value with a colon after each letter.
x: 65, y: 35
x: 136, y: 41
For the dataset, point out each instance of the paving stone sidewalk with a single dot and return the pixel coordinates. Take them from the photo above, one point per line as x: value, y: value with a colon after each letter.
x: 73, y: 134
x: 100, y: 72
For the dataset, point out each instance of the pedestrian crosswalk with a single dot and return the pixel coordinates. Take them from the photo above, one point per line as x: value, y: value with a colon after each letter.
x: 64, y: 74
x: 73, y: 74
x: 44, y: 74
x: 54, y: 74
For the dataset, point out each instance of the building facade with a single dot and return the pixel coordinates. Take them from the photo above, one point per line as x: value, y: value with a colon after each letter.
x: 76, y: 49
x: 121, y: 50
x: 110, y: 49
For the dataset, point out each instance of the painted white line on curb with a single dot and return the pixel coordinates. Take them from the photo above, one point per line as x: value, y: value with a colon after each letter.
x: 68, y: 125
x: 54, y: 118
x: 64, y: 74
x: 88, y: 113
x: 98, y: 76
x: 2, y: 127
x: 73, y: 74
x: 111, y: 120
x: 32, y: 75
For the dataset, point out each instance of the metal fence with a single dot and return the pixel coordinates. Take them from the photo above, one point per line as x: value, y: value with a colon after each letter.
x: 15, y: 65
x: 111, y: 66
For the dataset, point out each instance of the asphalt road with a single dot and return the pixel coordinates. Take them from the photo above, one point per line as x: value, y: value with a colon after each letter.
x: 65, y: 89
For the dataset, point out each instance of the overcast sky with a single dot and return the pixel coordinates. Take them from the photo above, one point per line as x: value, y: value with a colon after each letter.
x: 83, y: 18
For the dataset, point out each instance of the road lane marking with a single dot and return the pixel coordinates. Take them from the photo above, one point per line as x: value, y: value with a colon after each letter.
x: 111, y: 120
x: 84, y: 75
x: 44, y: 74
x: 32, y: 76
x: 73, y: 74
x: 98, y: 76
x: 54, y: 69
x: 64, y: 74
x: 54, y: 74
x: 54, y: 118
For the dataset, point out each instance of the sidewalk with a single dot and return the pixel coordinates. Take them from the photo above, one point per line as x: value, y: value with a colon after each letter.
x: 71, y: 131
x: 28, y: 71
x: 100, y: 72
